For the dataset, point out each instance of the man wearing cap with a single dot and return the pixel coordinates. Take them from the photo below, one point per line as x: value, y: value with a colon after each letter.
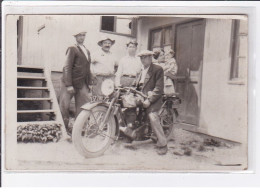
x: 76, y: 78
x: 129, y: 66
x: 103, y: 65
x: 151, y: 83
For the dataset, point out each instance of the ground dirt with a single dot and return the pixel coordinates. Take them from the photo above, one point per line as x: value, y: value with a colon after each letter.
x: 187, y: 151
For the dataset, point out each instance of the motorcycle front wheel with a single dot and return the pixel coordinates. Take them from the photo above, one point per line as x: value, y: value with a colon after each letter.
x: 87, y: 136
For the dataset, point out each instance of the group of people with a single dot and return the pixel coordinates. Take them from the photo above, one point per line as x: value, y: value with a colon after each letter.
x: 151, y: 72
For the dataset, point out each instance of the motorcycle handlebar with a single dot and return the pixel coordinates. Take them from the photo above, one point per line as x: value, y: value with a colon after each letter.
x: 133, y: 90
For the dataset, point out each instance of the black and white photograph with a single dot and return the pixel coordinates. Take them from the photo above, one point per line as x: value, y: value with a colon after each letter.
x: 127, y: 93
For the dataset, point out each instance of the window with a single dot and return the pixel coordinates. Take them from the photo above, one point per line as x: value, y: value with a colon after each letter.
x: 161, y: 38
x: 122, y: 25
x: 108, y: 23
x: 238, y: 51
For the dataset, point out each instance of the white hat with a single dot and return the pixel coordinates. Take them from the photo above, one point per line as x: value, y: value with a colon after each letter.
x: 145, y: 53
x: 77, y: 32
x: 105, y: 38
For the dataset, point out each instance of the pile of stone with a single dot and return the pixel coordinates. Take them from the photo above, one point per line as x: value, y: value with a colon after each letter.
x: 39, y: 133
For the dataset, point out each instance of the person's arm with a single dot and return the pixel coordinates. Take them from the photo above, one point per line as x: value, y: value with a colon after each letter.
x: 157, y: 92
x: 116, y: 64
x: 67, y: 69
x: 91, y: 77
x: 89, y: 56
x: 172, y: 71
x: 94, y: 59
x: 119, y: 73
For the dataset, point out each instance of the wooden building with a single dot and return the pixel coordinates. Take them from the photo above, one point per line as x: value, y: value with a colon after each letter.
x: 211, y: 55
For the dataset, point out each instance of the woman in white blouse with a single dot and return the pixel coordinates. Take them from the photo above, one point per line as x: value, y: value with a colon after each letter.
x: 129, y: 66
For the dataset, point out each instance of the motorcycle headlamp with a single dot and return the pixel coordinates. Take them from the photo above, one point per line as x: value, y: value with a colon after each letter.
x: 107, y: 87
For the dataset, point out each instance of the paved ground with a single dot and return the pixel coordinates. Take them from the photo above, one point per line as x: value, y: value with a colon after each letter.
x: 187, y: 151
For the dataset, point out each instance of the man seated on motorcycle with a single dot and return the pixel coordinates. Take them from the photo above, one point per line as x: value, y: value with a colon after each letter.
x: 151, y: 82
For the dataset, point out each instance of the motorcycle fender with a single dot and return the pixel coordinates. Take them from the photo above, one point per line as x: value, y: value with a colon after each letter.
x: 89, y: 106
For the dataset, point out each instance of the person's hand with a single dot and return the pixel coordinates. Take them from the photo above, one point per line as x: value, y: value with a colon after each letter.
x: 93, y: 80
x: 118, y: 85
x: 150, y: 93
x: 139, y: 100
x: 70, y: 89
x: 146, y: 103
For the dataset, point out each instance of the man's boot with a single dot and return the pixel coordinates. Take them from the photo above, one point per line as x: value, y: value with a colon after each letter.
x: 162, y: 150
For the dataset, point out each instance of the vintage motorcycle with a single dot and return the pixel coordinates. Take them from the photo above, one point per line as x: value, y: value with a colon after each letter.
x: 98, y: 125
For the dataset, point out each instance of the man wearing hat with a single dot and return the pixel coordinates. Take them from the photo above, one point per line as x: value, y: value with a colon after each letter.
x: 76, y: 78
x: 151, y: 83
x: 129, y: 66
x: 103, y: 64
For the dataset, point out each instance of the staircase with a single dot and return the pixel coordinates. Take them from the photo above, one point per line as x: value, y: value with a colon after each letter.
x: 36, y: 99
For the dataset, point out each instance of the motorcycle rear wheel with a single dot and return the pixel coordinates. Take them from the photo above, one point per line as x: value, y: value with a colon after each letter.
x: 167, y: 119
x: 92, y: 130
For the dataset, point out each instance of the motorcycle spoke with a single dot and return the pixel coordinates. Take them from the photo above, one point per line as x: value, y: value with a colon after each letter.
x: 96, y: 119
x: 104, y: 135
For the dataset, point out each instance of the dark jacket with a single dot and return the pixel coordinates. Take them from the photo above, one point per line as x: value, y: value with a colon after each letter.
x: 76, y: 70
x: 154, y: 82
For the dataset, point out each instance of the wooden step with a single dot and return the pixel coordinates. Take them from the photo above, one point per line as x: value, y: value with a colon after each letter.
x: 32, y: 88
x: 30, y: 67
x: 30, y: 77
x: 34, y: 111
x: 34, y: 74
x: 33, y: 99
x: 36, y: 122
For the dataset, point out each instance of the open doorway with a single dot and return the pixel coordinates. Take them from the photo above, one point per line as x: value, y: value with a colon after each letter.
x: 189, y: 56
x: 186, y: 38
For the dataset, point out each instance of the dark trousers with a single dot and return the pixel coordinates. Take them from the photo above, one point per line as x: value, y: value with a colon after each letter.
x: 130, y: 115
x: 82, y: 96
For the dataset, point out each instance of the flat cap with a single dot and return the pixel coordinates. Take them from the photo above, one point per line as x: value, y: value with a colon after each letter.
x: 145, y: 53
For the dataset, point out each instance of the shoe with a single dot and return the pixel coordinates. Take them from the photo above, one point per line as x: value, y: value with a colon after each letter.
x: 162, y: 150
x: 69, y: 133
x: 154, y: 138
x: 69, y: 139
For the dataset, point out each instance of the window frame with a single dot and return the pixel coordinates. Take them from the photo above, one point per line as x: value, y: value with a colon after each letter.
x: 234, y: 54
x: 150, y: 43
x: 133, y: 30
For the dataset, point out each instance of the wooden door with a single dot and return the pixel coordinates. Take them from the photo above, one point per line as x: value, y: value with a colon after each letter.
x: 189, y: 57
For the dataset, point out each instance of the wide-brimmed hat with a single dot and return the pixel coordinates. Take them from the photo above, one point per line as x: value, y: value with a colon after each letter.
x: 105, y: 38
x: 145, y: 53
x: 132, y: 41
